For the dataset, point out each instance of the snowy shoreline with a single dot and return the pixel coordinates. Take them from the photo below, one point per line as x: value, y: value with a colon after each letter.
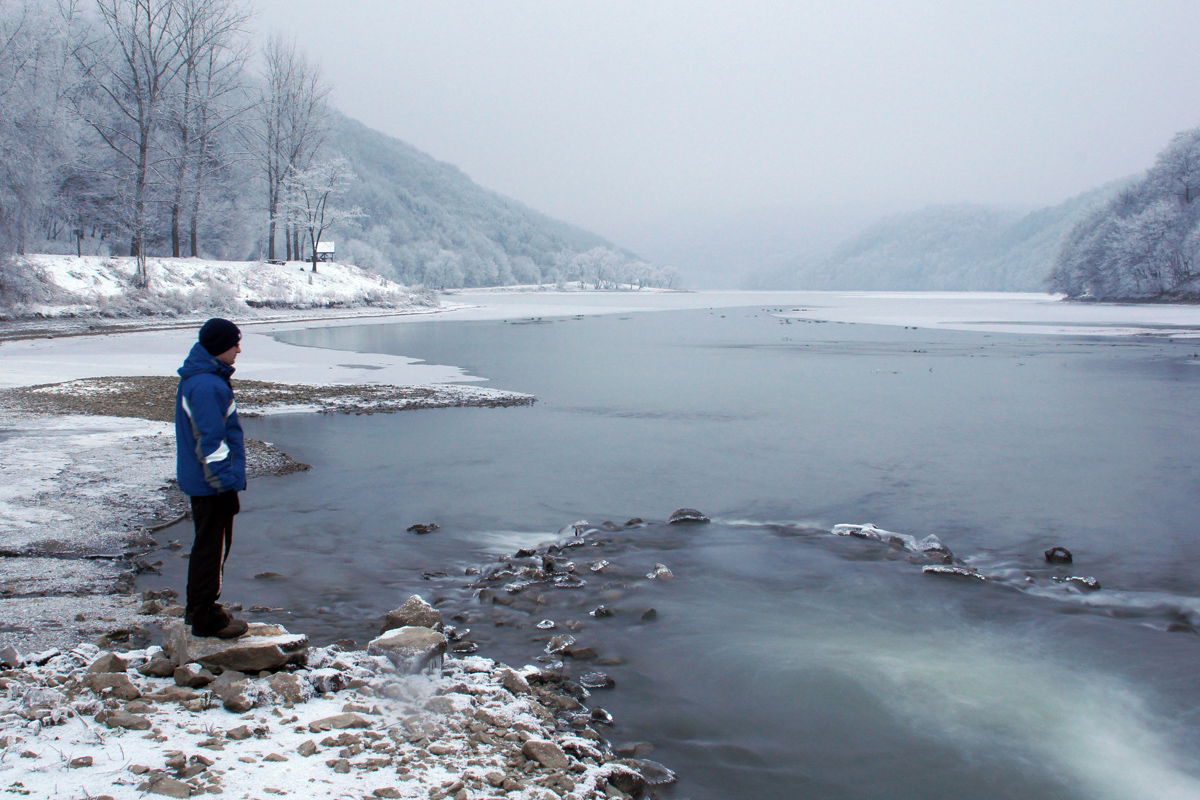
x: 87, y: 723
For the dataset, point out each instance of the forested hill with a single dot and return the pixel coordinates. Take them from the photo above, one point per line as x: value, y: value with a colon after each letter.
x: 192, y: 149
x: 427, y: 223
x: 952, y: 248
x: 1144, y: 244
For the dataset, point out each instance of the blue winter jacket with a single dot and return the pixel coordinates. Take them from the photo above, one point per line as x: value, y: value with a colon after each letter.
x: 210, y: 450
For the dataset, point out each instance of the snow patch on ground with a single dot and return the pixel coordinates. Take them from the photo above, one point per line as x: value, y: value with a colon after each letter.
x: 76, y: 483
x: 105, y: 285
x: 27, y: 362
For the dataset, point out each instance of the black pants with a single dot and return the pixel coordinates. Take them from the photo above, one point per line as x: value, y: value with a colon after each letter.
x: 213, y: 516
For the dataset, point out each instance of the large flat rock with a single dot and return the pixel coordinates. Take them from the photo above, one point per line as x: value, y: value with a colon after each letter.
x: 262, y: 647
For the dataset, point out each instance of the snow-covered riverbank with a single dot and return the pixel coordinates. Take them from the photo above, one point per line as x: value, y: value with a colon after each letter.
x: 89, y: 724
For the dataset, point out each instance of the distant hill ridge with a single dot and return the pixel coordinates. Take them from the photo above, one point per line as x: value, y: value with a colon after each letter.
x: 952, y: 248
x: 428, y: 223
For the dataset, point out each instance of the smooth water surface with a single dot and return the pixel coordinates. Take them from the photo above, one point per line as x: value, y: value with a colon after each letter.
x: 784, y: 661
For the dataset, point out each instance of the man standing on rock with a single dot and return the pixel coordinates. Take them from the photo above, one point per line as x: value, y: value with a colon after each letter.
x: 211, y: 467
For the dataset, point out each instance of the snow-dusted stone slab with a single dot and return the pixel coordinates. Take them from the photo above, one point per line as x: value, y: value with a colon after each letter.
x: 410, y: 648
x: 262, y: 647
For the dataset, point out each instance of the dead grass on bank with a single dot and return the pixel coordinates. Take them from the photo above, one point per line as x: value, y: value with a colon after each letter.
x: 153, y: 397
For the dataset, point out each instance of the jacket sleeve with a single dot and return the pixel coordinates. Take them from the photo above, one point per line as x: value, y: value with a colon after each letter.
x: 208, y: 405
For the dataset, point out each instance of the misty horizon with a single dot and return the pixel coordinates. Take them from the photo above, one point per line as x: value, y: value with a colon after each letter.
x: 643, y: 121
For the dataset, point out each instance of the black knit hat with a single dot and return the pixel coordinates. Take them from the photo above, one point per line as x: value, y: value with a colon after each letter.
x: 218, y: 335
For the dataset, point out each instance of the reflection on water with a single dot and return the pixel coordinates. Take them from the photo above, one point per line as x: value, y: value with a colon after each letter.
x: 783, y: 661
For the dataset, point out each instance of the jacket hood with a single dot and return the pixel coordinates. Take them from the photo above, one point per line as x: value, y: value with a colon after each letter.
x: 200, y: 360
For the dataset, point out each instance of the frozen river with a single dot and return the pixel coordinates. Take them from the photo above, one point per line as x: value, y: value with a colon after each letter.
x: 785, y: 661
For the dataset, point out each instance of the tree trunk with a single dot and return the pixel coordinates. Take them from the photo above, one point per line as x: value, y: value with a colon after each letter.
x: 175, y: 229
x: 194, y: 227
x: 139, y: 209
x: 272, y: 210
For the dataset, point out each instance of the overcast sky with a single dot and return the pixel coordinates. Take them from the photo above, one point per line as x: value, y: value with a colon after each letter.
x: 645, y: 121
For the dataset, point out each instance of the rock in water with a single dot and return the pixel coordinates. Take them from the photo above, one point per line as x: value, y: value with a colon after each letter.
x: 953, y: 572
x: 1059, y: 555
x: 661, y: 572
x: 931, y: 546
x: 596, y: 680
x: 262, y: 647
x: 654, y: 773
x: 416, y: 612
x: 411, y: 648
x: 627, y: 780
x: 1085, y: 583
x: 423, y: 527
x: 685, y: 515
x: 560, y: 643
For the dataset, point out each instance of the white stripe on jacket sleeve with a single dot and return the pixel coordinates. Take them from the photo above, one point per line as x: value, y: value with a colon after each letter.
x: 220, y: 454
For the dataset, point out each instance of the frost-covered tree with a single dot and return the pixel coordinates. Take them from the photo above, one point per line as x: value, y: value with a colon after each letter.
x: 443, y: 271
x: 38, y: 137
x: 291, y: 126
x: 310, y: 200
x: 206, y: 103
x: 134, y: 66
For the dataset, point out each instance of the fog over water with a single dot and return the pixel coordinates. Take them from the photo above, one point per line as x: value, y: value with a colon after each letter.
x: 711, y: 134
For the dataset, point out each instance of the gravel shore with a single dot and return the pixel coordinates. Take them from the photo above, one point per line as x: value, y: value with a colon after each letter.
x: 90, y: 724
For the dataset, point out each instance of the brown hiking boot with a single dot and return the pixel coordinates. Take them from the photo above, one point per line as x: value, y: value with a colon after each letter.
x: 218, y: 623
